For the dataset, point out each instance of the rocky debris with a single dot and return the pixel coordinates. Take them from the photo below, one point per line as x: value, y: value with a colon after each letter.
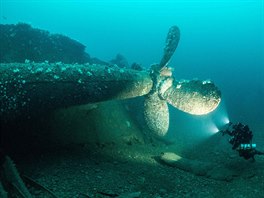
x: 120, y: 61
x: 136, y: 66
x: 21, y: 41
x: 94, y: 60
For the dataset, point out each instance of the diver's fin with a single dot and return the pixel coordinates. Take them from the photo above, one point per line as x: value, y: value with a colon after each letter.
x: 156, y: 114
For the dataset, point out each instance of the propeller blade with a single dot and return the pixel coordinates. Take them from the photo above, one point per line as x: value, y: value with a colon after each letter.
x: 171, y: 44
x: 195, y: 97
x: 155, y: 109
x: 156, y: 114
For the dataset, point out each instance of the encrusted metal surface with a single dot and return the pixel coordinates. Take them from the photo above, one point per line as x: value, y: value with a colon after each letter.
x: 156, y: 114
x: 195, y: 96
x: 42, y: 86
x: 171, y: 44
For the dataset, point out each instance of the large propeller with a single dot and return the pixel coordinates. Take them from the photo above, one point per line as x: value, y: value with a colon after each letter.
x: 34, y: 87
x: 194, y: 97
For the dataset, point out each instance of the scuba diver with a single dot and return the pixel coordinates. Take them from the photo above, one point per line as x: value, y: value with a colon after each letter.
x: 241, y: 140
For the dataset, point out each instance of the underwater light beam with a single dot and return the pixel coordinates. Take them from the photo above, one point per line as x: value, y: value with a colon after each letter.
x: 221, y: 118
x: 213, y: 129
